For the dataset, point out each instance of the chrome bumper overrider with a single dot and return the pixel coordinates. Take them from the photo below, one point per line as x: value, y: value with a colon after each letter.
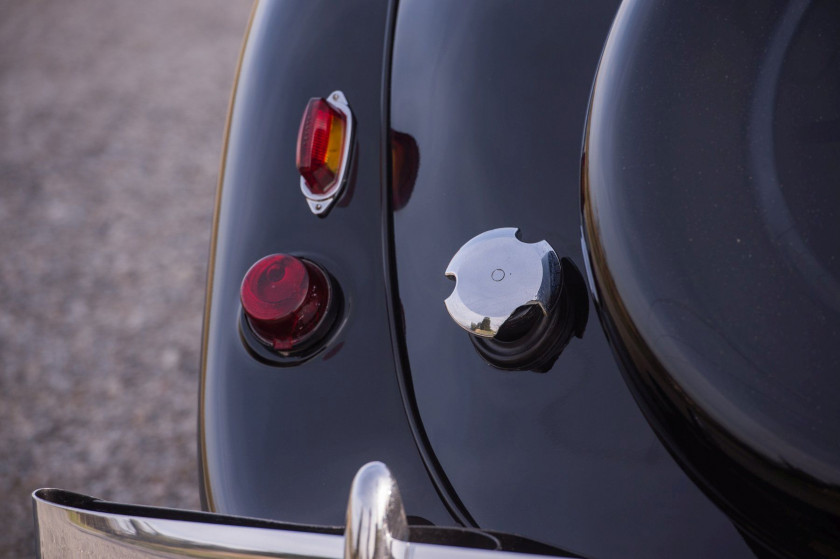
x: 72, y: 525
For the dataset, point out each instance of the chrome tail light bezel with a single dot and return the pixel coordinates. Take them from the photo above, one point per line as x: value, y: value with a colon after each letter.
x: 320, y: 204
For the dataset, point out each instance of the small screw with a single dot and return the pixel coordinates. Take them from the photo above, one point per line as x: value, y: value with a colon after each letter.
x: 317, y: 206
x: 335, y: 96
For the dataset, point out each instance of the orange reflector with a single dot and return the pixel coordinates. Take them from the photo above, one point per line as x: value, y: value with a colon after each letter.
x: 320, y: 146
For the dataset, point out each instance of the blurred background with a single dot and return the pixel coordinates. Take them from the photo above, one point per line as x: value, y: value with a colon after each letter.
x: 111, y: 124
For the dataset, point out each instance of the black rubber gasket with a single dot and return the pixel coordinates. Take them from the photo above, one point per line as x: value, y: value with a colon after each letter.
x: 538, y: 347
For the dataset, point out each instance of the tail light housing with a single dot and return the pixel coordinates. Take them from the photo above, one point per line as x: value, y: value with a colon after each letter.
x: 288, y: 302
x: 324, y: 150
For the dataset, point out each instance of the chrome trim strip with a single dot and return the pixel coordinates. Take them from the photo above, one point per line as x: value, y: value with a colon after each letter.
x: 65, y: 531
x: 72, y: 525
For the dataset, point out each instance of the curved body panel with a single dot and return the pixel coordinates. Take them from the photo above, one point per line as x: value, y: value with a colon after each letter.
x: 710, y: 199
x: 468, y: 118
x: 283, y: 442
x: 494, y: 96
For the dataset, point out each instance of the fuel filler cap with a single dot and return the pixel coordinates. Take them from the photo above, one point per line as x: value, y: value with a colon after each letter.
x: 510, y: 296
x: 496, y: 275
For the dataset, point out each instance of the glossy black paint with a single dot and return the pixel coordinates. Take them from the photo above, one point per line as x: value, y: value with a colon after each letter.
x: 285, y: 443
x: 494, y: 96
x: 486, y: 102
x: 711, y: 208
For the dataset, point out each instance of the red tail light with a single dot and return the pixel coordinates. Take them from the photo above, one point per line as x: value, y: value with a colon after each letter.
x: 285, y: 300
x: 320, y: 145
x: 323, y: 150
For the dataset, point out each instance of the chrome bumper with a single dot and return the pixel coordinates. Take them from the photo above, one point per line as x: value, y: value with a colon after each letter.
x: 73, y: 525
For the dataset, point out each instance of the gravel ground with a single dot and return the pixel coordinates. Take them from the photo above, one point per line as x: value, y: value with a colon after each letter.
x: 111, y: 123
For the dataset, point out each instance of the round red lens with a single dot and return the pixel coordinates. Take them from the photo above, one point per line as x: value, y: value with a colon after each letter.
x: 285, y: 300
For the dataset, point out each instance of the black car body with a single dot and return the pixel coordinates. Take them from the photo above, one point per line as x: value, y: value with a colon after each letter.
x: 689, y: 191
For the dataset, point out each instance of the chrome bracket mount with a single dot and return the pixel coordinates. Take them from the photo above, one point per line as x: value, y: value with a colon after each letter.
x: 376, y: 524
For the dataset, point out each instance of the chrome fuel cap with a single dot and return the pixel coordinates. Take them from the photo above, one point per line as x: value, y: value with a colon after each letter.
x: 520, y: 303
x: 497, y: 277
